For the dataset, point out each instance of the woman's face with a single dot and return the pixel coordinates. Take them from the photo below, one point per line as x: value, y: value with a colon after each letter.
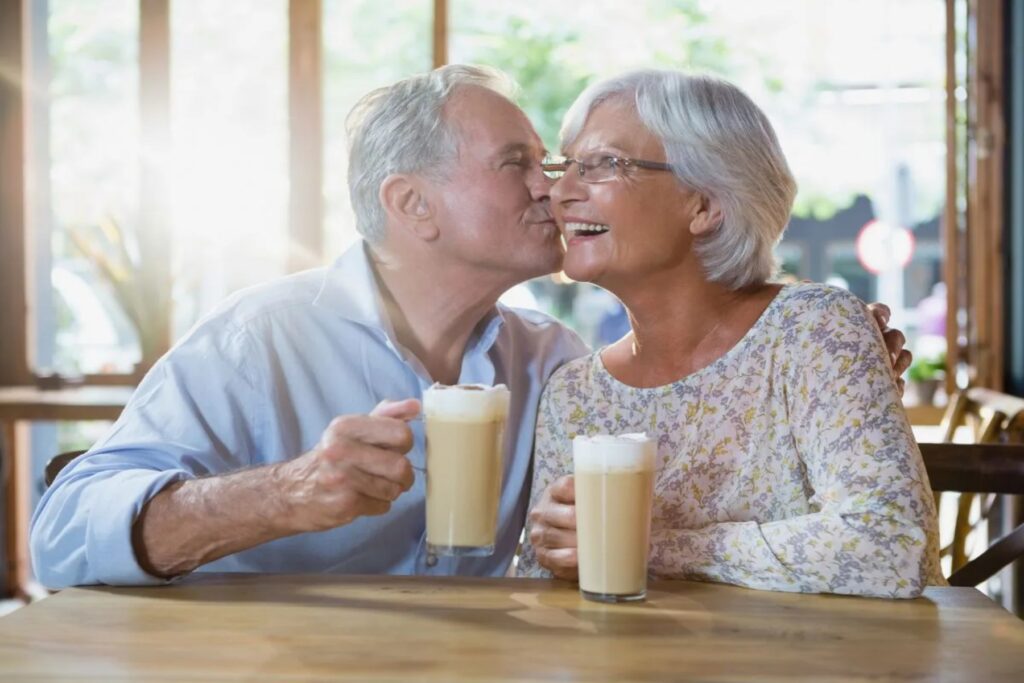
x: 635, y: 224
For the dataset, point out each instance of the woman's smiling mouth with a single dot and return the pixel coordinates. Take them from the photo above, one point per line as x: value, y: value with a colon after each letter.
x: 576, y: 229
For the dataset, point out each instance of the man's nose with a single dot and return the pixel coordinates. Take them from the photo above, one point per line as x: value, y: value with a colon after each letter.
x: 540, y: 185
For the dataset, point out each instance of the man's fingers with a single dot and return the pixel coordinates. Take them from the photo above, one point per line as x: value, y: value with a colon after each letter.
x: 353, y: 481
x: 372, y: 506
x: 901, y: 385
x: 386, y: 432
x: 894, y: 342
x: 563, y: 490
x: 387, y: 465
x: 374, y: 461
x: 380, y: 489
x: 903, y: 362
x: 881, y: 313
x: 400, y: 410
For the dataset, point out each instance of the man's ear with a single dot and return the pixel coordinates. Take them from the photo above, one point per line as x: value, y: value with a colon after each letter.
x: 708, y: 217
x: 407, y: 205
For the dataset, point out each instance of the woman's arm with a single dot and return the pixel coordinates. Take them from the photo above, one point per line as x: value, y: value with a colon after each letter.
x: 874, y: 532
x: 551, y: 527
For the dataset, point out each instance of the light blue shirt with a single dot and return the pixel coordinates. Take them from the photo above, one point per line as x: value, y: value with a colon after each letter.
x: 257, y: 382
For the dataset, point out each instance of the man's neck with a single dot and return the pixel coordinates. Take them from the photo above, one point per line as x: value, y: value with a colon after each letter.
x: 434, y: 309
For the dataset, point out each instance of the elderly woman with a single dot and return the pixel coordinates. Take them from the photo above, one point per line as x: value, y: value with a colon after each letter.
x: 785, y: 459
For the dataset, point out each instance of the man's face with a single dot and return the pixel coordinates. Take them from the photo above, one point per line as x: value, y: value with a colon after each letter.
x: 493, y: 210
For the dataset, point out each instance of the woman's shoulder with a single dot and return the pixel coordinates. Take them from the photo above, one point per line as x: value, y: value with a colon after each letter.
x: 814, y: 305
x: 575, y: 375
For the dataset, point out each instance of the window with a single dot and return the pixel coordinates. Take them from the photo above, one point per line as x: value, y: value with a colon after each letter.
x: 229, y: 160
x: 852, y: 87
x: 84, y: 151
x: 367, y: 44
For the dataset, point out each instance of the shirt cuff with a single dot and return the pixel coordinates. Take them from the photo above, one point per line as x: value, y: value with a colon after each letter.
x: 109, y: 549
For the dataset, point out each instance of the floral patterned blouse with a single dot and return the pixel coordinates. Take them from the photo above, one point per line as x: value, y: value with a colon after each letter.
x: 787, y: 464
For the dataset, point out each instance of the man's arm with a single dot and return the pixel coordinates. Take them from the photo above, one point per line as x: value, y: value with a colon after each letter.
x: 358, y: 468
x: 197, y: 433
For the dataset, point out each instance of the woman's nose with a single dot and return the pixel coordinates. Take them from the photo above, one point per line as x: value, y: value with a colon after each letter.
x: 568, y: 188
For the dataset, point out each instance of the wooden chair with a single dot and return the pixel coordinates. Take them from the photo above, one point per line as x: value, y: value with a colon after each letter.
x: 993, y: 417
x: 980, y: 469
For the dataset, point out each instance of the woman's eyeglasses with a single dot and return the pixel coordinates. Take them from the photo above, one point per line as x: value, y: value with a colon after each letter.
x: 600, y: 169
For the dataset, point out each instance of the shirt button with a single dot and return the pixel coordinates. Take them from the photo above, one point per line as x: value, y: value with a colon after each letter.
x: 431, y: 560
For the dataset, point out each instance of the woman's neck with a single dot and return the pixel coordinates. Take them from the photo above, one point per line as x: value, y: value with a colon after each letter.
x: 680, y: 325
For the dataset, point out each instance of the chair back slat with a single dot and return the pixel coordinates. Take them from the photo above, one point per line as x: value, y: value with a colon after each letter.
x: 979, y: 468
x: 57, y: 463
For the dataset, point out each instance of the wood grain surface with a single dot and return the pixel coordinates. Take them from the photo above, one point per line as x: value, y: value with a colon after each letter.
x: 320, y: 628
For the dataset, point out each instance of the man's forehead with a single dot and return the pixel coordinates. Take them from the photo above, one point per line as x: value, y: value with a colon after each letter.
x: 486, y: 117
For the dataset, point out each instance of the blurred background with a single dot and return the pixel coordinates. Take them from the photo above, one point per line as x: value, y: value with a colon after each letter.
x: 856, y: 91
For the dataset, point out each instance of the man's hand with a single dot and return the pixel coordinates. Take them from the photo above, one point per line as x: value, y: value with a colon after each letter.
x: 553, y: 529
x: 358, y: 468
x: 894, y: 341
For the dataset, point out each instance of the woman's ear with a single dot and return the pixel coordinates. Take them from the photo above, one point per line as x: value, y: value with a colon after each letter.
x: 708, y: 217
x: 407, y: 205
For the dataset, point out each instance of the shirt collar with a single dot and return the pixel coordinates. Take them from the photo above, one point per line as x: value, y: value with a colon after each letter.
x: 350, y: 288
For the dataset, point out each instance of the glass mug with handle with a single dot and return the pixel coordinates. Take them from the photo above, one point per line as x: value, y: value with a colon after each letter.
x: 465, y: 426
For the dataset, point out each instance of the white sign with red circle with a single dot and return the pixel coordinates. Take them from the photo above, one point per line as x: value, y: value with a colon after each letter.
x: 883, y: 246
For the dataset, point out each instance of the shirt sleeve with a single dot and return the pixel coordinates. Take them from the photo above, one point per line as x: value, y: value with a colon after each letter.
x: 874, y: 530
x: 552, y: 459
x: 193, y: 415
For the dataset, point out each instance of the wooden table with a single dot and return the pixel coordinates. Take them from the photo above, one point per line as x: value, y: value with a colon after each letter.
x: 18, y: 406
x: 321, y: 628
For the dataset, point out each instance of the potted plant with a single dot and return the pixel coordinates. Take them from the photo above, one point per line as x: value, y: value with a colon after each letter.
x: 924, y: 376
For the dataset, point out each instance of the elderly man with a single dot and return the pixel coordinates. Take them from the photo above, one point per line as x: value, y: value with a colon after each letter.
x: 265, y: 440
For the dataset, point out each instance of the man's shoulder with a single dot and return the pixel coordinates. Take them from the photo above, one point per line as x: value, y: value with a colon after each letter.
x: 286, y: 293
x: 539, y: 329
x: 250, y: 312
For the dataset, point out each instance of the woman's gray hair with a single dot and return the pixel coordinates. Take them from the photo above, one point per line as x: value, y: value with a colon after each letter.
x: 720, y: 144
x: 400, y: 128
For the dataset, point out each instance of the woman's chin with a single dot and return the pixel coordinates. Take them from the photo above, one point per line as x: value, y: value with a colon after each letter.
x: 582, y: 270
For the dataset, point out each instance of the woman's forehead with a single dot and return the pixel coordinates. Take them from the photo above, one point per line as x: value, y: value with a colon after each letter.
x: 614, y: 126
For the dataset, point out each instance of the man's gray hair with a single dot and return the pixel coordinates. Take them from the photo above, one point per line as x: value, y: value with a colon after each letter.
x: 400, y: 128
x: 720, y: 144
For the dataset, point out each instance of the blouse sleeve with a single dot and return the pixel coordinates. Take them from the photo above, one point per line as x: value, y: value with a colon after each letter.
x: 552, y: 458
x: 873, y: 531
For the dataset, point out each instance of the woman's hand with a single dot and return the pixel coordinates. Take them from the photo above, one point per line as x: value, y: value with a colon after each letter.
x: 894, y: 341
x: 553, y: 529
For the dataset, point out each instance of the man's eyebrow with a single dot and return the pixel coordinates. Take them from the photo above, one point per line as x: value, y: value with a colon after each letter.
x: 519, y: 147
